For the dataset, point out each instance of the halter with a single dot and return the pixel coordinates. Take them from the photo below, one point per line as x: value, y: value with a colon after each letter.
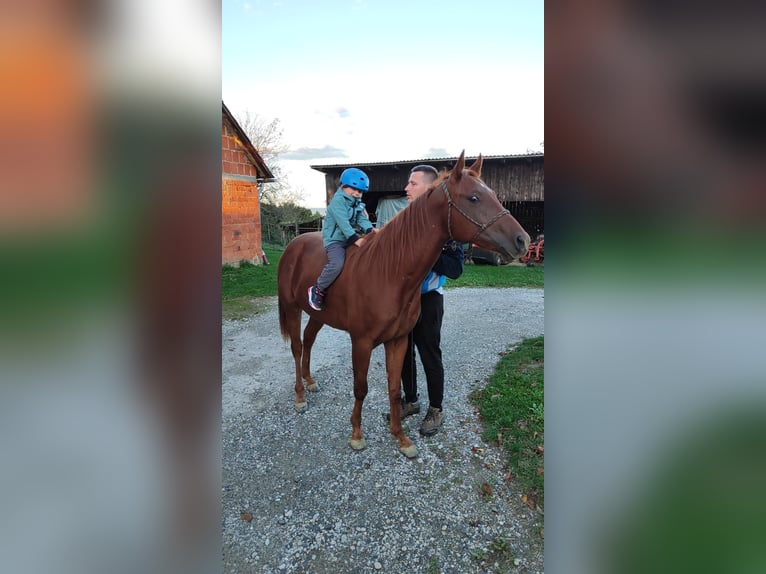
x: 481, y: 226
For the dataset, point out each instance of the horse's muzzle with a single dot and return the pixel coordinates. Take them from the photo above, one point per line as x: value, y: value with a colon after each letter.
x: 521, y: 242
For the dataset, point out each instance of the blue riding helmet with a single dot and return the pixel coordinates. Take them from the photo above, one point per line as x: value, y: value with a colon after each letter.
x: 355, y: 178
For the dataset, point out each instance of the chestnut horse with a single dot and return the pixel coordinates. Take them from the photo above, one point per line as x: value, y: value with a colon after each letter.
x: 376, y: 298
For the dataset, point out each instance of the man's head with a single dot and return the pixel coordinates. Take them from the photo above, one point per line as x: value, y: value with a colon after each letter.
x: 421, y: 176
x: 354, y: 182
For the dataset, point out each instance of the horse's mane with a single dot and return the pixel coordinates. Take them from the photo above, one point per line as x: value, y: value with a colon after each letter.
x: 444, y: 174
x: 400, y: 237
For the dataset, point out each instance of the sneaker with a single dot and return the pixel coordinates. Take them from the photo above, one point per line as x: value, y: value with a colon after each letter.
x: 407, y: 409
x: 316, y: 298
x: 432, y: 422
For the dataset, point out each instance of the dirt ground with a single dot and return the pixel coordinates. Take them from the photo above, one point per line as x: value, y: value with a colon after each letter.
x: 296, y: 498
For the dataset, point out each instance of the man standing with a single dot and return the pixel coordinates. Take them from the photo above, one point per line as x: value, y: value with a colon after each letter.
x: 426, y: 335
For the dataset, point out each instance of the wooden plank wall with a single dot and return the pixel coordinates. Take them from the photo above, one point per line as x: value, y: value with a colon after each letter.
x: 515, y: 179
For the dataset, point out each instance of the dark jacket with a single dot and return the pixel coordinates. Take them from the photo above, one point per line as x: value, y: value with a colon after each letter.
x: 449, y: 264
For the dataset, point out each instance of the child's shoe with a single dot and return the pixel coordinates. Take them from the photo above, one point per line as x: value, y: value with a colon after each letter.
x: 316, y: 298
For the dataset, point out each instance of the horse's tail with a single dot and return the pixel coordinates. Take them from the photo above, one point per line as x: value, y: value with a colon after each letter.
x: 281, y: 296
x: 283, y: 320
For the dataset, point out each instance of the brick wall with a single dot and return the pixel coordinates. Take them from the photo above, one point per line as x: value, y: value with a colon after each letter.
x: 241, y: 221
x: 240, y: 212
x: 234, y: 161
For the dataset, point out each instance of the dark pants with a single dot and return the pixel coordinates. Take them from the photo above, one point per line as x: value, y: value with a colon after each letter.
x: 426, y: 336
x: 336, y: 257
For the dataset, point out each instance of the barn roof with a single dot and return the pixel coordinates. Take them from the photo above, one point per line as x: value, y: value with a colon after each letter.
x: 324, y: 168
x: 250, y: 151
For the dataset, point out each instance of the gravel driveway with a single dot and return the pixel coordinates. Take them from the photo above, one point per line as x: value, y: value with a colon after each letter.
x: 316, y: 506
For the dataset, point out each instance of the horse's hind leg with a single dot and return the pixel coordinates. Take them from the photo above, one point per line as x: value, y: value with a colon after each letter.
x: 309, y: 336
x: 293, y: 328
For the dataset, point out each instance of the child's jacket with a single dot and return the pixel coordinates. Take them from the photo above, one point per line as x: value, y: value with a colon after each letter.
x: 345, y: 220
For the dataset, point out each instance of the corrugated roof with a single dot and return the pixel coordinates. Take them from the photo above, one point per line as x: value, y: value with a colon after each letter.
x: 323, y: 167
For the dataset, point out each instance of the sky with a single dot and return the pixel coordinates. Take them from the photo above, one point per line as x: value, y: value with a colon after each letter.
x: 386, y: 80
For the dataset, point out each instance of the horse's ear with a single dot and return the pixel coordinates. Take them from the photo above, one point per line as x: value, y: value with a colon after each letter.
x: 457, y: 171
x: 476, y: 167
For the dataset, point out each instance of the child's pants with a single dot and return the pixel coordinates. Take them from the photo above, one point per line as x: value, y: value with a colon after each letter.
x: 336, y: 255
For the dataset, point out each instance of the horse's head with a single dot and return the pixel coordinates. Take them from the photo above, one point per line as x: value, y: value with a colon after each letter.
x: 476, y: 215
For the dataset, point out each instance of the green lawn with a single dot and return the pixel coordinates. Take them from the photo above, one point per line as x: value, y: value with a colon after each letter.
x: 512, y: 411
x: 240, y: 286
x: 501, y: 276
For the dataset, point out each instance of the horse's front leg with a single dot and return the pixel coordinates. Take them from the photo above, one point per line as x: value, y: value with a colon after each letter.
x: 360, y: 359
x: 309, y: 336
x: 395, y: 351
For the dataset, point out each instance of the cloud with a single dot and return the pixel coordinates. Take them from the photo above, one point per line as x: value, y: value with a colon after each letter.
x: 308, y: 153
x: 437, y: 152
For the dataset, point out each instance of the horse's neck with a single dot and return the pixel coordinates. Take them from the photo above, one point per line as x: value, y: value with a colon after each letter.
x: 435, y: 234
x: 425, y: 222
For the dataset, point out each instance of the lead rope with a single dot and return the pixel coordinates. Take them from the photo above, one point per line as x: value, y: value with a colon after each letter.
x: 481, y: 226
x: 411, y: 362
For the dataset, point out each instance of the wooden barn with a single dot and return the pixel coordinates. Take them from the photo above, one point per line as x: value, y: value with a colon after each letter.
x: 517, y: 179
x: 242, y: 171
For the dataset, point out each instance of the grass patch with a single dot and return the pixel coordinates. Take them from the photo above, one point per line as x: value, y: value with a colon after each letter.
x: 241, y: 285
x: 251, y: 280
x: 500, y: 276
x: 512, y: 410
x: 242, y: 307
x: 498, y: 553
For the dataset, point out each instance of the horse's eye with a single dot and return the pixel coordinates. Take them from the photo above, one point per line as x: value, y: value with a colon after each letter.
x: 473, y: 199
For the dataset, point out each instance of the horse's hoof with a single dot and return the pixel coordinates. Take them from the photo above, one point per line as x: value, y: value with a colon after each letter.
x: 409, y: 451
x: 312, y: 387
x: 301, y: 407
x: 359, y: 444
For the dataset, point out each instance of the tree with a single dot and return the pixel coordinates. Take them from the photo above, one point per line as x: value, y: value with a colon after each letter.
x: 267, y: 137
x: 279, y: 222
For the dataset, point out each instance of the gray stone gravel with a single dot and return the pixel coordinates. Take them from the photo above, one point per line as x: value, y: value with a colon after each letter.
x: 317, y: 506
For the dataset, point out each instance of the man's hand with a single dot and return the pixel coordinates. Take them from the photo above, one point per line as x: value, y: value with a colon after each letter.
x: 359, y: 242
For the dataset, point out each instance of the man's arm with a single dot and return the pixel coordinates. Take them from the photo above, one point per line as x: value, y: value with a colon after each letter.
x: 450, y: 262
